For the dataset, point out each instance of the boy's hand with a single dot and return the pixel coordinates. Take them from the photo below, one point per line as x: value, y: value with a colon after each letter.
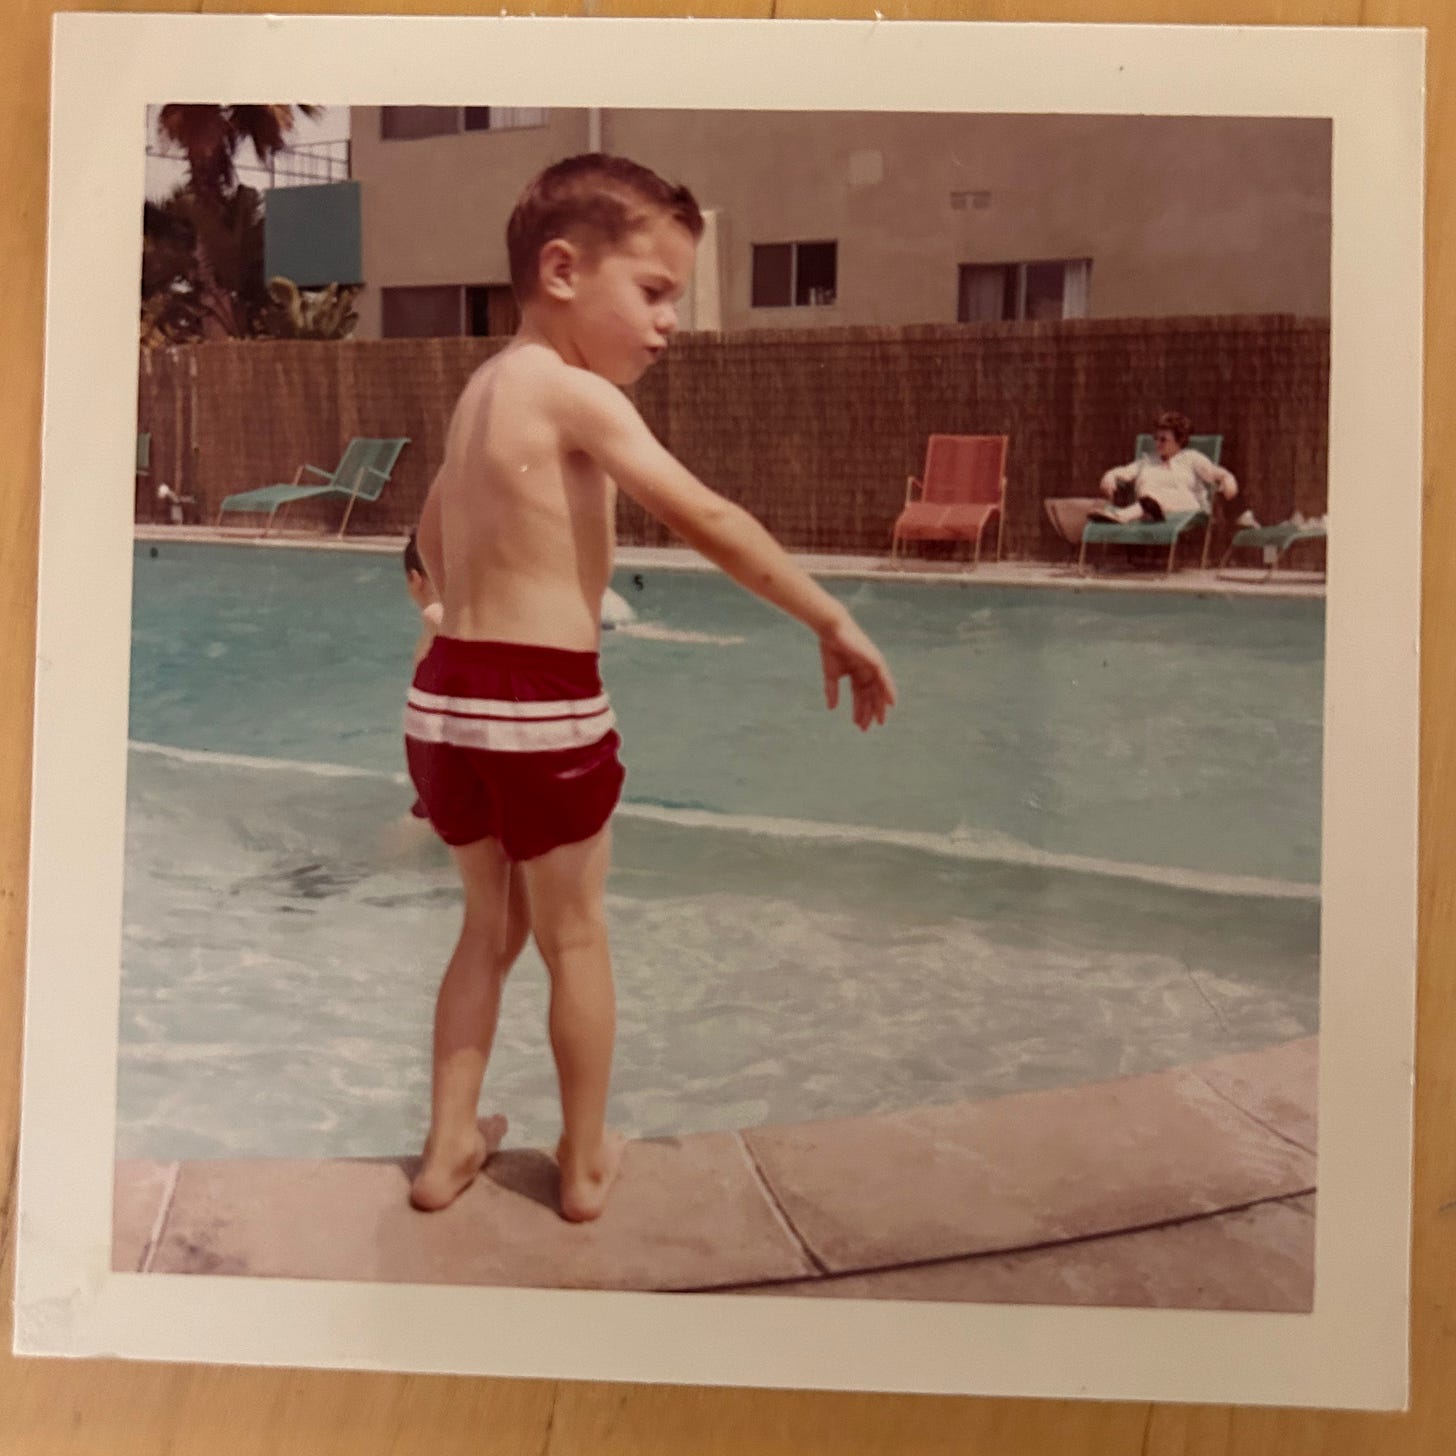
x: 847, y: 652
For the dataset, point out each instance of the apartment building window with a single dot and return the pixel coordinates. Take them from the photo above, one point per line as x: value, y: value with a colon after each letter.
x: 789, y: 275
x: 409, y: 123
x: 448, y: 311
x: 501, y: 118
x: 421, y: 313
x: 491, y: 310
x: 1046, y: 289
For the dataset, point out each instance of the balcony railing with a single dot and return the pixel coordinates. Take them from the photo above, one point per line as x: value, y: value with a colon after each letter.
x: 306, y: 164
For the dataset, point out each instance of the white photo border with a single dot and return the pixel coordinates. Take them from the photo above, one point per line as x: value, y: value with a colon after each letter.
x: 1352, y: 1350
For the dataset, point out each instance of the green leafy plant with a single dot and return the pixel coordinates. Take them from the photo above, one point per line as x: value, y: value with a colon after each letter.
x: 202, y: 266
x: 321, y: 313
x: 202, y: 246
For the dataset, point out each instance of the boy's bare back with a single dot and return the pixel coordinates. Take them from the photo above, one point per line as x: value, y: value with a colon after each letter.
x: 518, y: 528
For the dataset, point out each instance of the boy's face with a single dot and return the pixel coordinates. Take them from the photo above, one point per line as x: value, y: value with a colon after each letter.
x: 623, y: 307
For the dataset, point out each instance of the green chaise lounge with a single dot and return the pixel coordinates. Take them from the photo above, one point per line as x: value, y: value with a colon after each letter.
x: 1274, y: 541
x: 361, y: 474
x: 1156, y: 533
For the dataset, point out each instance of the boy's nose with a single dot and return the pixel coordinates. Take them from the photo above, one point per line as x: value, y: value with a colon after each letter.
x: 667, y: 321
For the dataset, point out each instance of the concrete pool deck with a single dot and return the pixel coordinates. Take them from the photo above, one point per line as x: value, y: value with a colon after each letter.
x: 1236, y: 582
x: 1190, y: 1188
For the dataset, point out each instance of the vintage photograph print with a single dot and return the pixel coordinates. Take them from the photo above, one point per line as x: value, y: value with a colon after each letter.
x: 1041, y: 948
x: 735, y: 698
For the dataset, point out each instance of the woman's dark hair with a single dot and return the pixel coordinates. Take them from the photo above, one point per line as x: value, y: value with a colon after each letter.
x: 412, y: 559
x: 1179, y: 426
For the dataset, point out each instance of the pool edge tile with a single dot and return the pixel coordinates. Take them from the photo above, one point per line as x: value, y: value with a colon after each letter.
x: 686, y: 1214
x: 142, y: 1192
x: 1022, y: 1170
x: 1277, y: 1086
x: 1257, y: 1260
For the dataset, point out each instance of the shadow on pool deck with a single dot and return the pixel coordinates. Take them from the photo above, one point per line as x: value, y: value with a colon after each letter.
x: 1192, y: 1188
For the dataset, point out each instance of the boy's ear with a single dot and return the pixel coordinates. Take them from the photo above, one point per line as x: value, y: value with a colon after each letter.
x: 557, y: 269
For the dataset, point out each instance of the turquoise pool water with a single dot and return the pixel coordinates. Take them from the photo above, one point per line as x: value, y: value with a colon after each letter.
x: 1087, y: 843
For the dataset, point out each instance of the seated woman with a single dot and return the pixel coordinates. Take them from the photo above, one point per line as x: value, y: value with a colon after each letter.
x: 1179, y: 480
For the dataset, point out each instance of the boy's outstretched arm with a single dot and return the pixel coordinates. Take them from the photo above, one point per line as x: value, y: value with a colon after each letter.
x: 601, y: 422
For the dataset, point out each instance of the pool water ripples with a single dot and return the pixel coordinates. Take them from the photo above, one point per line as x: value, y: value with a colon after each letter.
x: 1086, y: 845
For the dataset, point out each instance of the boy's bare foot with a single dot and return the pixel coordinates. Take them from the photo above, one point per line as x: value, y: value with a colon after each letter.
x: 585, y: 1182
x: 447, y: 1171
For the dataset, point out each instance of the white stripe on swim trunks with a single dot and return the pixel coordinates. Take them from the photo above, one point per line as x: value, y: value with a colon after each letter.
x: 509, y: 735
x: 506, y: 708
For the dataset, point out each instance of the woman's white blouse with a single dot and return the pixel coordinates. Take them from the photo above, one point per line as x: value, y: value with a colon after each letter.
x: 1180, y: 484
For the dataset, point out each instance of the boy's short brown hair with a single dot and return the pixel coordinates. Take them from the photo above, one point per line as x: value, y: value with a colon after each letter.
x: 596, y: 198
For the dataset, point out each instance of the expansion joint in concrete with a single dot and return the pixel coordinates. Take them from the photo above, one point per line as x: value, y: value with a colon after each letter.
x: 159, y: 1224
x: 1253, y: 1117
x: 780, y: 1213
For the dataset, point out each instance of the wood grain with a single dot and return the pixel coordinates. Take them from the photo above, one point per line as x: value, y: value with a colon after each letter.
x: 138, y: 1410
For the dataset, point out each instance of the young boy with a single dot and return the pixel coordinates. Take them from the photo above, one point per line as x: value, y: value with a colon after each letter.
x: 510, y: 737
x: 423, y: 595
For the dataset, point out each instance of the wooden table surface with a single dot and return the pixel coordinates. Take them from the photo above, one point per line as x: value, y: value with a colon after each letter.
x: 108, y: 1408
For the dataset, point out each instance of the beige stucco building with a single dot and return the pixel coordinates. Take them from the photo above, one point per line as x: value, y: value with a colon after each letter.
x: 871, y: 218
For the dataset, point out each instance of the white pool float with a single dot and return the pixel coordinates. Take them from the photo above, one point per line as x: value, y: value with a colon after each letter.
x: 615, y: 611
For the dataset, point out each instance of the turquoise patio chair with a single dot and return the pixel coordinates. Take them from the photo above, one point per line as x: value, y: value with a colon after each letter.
x: 1068, y: 514
x: 363, y: 471
x: 1145, y: 533
x: 1274, y: 541
x: 1167, y: 532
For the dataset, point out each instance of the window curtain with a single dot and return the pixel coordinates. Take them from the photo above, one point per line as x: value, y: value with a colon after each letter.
x: 504, y: 117
x: 1076, y: 285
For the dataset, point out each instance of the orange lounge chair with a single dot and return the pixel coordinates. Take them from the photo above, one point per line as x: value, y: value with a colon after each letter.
x: 964, y: 486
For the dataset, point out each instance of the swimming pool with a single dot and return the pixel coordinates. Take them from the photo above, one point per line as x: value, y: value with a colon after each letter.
x: 1087, y: 843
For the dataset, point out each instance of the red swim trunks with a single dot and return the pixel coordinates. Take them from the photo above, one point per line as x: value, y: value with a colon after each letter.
x: 512, y: 742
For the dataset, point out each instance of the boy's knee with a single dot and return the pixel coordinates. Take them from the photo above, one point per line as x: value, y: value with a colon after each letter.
x: 500, y: 963
x: 481, y: 939
x: 571, y: 935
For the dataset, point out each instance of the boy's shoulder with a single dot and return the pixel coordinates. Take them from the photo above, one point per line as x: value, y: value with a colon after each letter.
x: 522, y: 360
x: 547, y: 390
x: 531, y: 376
x: 537, y: 369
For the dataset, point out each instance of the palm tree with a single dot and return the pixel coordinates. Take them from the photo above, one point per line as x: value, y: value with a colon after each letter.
x: 202, y: 266
x: 222, y: 294
x: 211, y: 137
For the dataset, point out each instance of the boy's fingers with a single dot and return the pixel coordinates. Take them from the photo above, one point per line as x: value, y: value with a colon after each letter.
x: 872, y: 689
